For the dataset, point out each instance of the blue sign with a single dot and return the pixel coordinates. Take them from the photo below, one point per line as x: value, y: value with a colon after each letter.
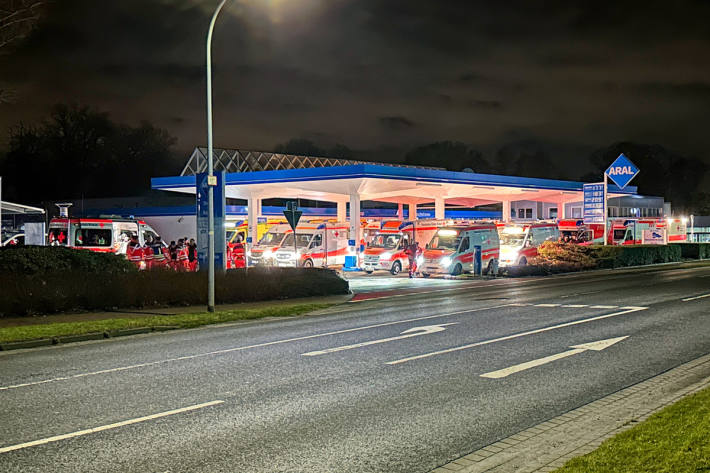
x: 594, y: 205
x: 622, y: 171
x: 220, y: 207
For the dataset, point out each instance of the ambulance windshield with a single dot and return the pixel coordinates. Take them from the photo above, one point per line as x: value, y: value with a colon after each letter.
x: 302, y: 240
x: 272, y: 239
x: 389, y: 242
x: 445, y: 239
x: 512, y: 239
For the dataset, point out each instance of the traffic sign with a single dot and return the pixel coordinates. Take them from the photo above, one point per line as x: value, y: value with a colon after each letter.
x: 292, y: 214
x: 622, y: 171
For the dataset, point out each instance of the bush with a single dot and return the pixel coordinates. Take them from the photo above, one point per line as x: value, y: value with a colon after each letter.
x: 555, y: 257
x: 39, y: 293
x: 29, y: 260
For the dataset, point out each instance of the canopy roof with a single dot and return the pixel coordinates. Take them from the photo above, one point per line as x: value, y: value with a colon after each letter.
x: 11, y: 208
x: 390, y: 184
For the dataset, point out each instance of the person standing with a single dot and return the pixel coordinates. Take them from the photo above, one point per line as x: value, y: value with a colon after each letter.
x: 192, y: 255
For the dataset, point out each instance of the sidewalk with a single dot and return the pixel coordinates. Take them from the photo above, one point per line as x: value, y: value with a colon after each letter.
x: 548, y: 446
x: 134, y: 313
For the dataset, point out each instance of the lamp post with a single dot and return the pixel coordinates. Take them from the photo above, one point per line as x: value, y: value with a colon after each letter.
x: 211, y: 180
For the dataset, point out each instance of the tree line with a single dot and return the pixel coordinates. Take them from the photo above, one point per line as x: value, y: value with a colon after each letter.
x: 79, y: 152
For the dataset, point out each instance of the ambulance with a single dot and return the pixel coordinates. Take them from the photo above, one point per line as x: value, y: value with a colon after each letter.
x: 104, y: 235
x: 519, y: 243
x: 580, y: 232
x: 322, y: 245
x: 387, y: 250
x: 631, y: 232
x: 451, y: 250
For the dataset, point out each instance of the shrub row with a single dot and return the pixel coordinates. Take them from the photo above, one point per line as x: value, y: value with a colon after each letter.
x: 28, y: 294
x: 555, y: 257
x: 49, y: 259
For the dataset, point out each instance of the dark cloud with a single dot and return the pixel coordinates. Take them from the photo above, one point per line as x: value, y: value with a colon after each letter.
x: 574, y: 75
x: 396, y: 123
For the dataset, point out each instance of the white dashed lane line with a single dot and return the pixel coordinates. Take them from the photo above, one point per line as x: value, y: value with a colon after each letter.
x: 702, y: 296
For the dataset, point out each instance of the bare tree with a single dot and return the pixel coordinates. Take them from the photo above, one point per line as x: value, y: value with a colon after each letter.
x: 17, y: 19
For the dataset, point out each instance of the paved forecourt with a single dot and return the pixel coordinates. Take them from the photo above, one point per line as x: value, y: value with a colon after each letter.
x: 370, y: 386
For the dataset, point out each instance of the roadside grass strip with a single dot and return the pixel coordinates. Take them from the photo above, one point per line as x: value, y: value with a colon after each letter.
x: 52, y: 330
x: 676, y: 439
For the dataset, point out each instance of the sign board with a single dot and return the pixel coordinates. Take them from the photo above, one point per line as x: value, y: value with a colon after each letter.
x: 653, y: 237
x: 292, y: 214
x: 594, y: 205
x: 34, y: 233
x: 622, y: 171
x: 220, y: 207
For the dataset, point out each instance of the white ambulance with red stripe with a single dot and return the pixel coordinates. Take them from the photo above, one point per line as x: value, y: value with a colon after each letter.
x: 104, y: 235
x: 387, y: 250
x: 321, y: 245
x: 452, y: 250
x: 519, y: 243
x: 631, y: 231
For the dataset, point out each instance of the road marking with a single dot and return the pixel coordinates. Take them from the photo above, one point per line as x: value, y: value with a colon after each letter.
x: 547, y: 305
x: 603, y: 306
x: 258, y: 345
x: 414, y: 292
x: 409, y: 333
x: 520, y: 304
x: 102, y: 428
x: 575, y: 349
x: 627, y: 310
x: 687, y: 299
x: 575, y: 306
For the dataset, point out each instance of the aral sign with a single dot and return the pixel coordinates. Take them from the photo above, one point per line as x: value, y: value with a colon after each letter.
x: 622, y: 171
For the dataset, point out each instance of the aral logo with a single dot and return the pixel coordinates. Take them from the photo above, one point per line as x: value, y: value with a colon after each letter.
x: 621, y: 171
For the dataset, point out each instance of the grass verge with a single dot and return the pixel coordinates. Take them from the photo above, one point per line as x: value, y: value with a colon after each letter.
x: 674, y: 440
x: 31, y: 332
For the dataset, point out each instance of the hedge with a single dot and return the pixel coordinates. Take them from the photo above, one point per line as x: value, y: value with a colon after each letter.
x: 52, y: 259
x: 555, y: 257
x: 53, y: 292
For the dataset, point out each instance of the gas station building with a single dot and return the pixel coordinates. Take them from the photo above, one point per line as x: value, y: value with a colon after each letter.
x: 348, y: 183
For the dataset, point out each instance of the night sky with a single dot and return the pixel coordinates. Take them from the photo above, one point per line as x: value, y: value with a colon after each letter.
x: 379, y: 76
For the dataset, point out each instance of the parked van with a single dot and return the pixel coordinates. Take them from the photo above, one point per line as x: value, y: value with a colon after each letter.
x: 325, y: 245
x: 451, y: 250
x: 519, y: 243
x: 387, y: 250
x: 580, y: 232
x: 264, y: 252
x: 104, y: 235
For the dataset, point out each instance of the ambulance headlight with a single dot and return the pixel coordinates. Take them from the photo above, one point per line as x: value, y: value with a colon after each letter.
x: 386, y: 255
x: 267, y: 254
x: 445, y: 261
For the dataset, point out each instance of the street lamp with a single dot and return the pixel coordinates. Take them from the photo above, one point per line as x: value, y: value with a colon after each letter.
x: 211, y: 180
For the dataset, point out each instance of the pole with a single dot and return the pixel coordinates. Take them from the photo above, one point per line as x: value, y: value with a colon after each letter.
x: 606, y: 213
x: 1, y: 211
x: 210, y: 167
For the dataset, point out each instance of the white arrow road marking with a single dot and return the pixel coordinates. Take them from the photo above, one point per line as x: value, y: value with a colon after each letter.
x: 115, y: 425
x: 627, y: 310
x: 576, y: 349
x: 409, y: 333
x: 688, y: 299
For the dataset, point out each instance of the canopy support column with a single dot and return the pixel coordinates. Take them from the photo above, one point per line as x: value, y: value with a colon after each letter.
x: 439, y: 208
x: 400, y: 211
x: 412, y: 211
x: 505, y: 215
x: 253, y: 208
x: 354, y: 220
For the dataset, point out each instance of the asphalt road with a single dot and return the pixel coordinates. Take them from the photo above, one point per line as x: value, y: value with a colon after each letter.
x: 361, y: 388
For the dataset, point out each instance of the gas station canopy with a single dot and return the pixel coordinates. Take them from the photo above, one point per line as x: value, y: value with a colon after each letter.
x: 390, y: 184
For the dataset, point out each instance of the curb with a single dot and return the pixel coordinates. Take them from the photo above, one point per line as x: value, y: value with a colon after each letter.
x: 27, y: 344
x: 547, y: 446
x: 80, y: 338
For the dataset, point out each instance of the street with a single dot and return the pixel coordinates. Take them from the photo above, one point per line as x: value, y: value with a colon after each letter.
x: 408, y: 376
